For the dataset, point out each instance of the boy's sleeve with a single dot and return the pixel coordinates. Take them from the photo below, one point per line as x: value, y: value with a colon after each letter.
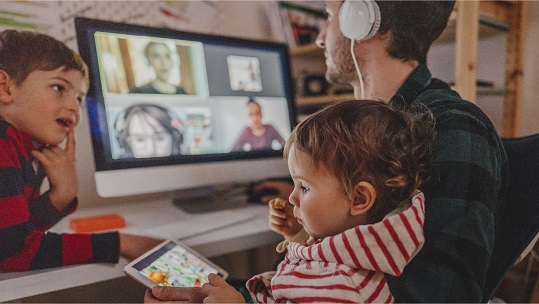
x: 47, y: 250
x: 44, y: 215
x: 23, y: 244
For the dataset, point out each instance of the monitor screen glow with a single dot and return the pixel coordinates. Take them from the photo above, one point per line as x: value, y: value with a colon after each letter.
x: 171, y: 110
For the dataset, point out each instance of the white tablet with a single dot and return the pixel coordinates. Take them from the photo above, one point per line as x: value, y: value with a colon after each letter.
x: 172, y: 264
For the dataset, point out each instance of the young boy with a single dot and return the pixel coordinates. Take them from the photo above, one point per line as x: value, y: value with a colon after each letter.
x: 357, y: 167
x: 42, y: 84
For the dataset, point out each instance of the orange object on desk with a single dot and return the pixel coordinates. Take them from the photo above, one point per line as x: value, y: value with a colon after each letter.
x: 97, y: 223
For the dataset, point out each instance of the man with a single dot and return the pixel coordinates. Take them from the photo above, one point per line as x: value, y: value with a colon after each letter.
x: 470, y: 166
x: 469, y: 177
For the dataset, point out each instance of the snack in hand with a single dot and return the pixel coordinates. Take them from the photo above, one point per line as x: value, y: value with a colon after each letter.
x: 278, y: 203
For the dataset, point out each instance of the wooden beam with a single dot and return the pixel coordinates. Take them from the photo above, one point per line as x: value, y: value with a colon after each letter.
x: 514, y: 70
x: 467, y: 35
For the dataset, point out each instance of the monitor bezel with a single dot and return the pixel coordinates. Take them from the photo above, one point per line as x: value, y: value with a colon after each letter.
x: 95, y: 106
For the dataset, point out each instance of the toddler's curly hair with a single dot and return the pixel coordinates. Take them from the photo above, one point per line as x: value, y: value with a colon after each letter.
x: 368, y: 140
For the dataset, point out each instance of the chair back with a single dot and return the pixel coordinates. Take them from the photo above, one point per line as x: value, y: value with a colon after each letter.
x: 517, y: 221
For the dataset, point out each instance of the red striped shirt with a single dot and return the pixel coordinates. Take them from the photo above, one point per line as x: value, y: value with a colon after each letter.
x: 348, y: 267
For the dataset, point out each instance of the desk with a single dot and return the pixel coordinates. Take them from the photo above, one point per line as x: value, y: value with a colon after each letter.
x: 246, y: 235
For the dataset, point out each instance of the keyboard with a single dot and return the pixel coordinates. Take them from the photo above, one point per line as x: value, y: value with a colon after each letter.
x: 199, y: 224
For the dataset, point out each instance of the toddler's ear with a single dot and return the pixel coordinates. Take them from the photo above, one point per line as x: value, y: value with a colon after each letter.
x: 364, y: 197
x: 5, y: 89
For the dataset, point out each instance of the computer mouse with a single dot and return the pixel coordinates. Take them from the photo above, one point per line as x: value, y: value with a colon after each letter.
x: 256, y: 196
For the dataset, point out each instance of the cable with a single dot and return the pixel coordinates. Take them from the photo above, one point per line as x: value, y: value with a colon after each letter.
x: 352, y: 42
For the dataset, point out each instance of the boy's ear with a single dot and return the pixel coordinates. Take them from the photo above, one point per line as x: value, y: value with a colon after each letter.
x: 5, y: 88
x: 364, y: 197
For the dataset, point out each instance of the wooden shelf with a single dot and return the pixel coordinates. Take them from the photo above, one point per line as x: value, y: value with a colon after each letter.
x: 306, y: 50
x: 323, y: 99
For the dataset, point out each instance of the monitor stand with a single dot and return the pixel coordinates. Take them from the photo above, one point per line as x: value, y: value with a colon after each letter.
x: 212, y: 198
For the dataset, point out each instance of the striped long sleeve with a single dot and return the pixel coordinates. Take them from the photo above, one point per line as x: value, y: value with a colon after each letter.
x: 349, y: 267
x: 26, y: 215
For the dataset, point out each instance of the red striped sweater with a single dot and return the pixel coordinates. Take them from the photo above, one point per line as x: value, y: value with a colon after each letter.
x: 26, y: 215
x: 348, y: 267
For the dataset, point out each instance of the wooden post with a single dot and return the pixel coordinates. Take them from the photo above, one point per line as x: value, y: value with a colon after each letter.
x: 467, y: 35
x: 514, y: 70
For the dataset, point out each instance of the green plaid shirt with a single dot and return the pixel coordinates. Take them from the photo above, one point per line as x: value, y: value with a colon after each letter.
x: 466, y: 187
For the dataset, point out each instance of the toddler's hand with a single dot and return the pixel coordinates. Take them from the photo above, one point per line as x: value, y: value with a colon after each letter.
x: 219, y: 291
x: 282, y: 220
x: 61, y: 170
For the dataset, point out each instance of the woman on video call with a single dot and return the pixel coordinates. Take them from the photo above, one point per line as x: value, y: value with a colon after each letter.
x: 159, y: 58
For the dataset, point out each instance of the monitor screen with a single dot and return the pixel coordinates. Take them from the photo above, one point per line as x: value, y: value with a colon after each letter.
x: 170, y: 109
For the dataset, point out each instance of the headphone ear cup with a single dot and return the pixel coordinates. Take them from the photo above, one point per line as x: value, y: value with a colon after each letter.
x: 359, y: 19
x: 120, y: 130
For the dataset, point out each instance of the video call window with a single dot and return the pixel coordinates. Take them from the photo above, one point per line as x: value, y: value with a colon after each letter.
x: 244, y: 73
x: 163, y: 100
x: 144, y: 65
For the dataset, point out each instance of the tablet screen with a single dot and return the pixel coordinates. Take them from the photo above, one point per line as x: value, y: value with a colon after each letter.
x: 173, y: 265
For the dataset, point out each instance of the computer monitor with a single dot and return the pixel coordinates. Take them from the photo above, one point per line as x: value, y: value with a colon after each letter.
x: 172, y: 110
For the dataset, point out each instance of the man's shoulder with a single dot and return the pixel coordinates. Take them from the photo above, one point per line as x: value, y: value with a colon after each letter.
x: 448, y: 106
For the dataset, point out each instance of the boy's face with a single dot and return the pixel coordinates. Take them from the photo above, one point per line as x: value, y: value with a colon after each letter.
x: 46, y: 104
x: 320, y: 203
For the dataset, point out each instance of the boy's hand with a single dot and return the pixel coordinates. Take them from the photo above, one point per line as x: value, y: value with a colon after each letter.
x: 282, y: 220
x: 60, y: 167
x: 132, y: 246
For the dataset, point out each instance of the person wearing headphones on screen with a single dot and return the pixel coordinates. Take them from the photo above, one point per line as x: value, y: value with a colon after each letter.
x: 148, y: 130
x: 380, y: 48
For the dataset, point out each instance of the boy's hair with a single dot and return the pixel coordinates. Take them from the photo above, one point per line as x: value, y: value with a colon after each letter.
x: 368, y: 140
x: 22, y: 52
x: 413, y: 26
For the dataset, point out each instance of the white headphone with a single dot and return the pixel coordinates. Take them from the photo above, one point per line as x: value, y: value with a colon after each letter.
x: 359, y: 19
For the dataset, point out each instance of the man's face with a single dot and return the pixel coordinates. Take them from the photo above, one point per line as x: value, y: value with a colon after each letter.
x: 339, y: 62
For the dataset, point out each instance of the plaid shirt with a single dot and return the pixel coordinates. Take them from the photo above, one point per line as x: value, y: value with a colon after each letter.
x: 26, y: 215
x: 467, y: 185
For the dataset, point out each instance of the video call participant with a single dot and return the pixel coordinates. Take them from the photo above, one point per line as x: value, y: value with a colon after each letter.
x: 257, y: 135
x: 148, y: 130
x: 159, y: 58
x: 356, y: 194
x: 469, y: 175
x: 42, y: 84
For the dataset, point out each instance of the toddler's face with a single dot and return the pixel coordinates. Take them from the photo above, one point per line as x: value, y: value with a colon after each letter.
x: 320, y: 203
x: 47, y: 104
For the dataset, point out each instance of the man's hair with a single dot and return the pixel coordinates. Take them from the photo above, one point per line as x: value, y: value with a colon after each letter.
x: 22, y: 52
x: 370, y: 141
x: 413, y: 26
